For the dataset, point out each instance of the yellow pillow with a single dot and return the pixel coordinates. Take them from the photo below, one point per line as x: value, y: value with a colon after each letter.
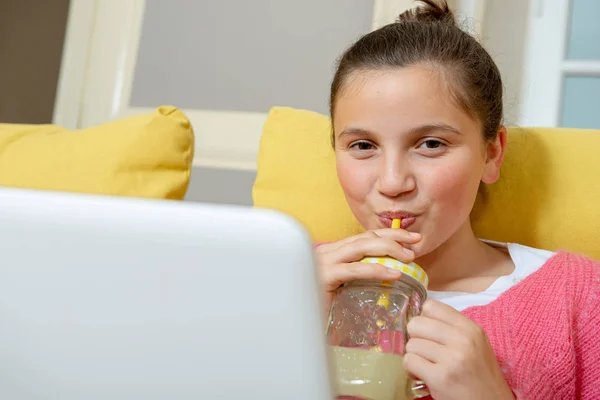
x: 146, y: 155
x: 548, y: 195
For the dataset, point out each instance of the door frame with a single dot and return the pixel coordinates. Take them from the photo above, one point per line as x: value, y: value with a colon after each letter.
x: 74, y: 63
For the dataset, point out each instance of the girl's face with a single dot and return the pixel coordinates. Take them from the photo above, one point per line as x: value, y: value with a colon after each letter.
x: 404, y: 149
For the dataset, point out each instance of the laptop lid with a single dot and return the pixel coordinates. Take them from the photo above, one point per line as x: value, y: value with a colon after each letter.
x: 113, y: 298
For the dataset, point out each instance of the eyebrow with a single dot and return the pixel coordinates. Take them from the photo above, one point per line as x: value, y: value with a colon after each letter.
x: 354, y: 131
x: 417, y: 130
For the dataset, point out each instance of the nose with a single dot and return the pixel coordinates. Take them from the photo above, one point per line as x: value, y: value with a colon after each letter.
x: 395, y: 176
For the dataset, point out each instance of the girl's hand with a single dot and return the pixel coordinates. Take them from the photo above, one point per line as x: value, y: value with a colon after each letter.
x: 453, y: 356
x: 338, y: 261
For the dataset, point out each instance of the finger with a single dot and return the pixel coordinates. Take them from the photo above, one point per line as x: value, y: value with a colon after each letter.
x: 422, y: 327
x: 444, y: 313
x: 430, y: 351
x: 417, y: 367
x: 373, y: 247
x: 327, y: 247
x: 398, y: 235
x: 339, y: 274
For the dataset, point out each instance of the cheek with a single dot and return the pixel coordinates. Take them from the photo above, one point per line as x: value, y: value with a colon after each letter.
x: 455, y: 186
x: 356, y: 181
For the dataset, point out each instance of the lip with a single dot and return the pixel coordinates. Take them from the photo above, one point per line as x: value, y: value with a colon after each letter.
x: 407, y: 218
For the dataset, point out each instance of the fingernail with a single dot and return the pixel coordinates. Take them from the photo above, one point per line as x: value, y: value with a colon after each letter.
x: 394, y: 272
x: 407, y: 251
x: 414, y: 234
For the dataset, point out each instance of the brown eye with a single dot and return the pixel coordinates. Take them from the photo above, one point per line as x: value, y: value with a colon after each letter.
x: 362, y: 146
x: 432, y: 144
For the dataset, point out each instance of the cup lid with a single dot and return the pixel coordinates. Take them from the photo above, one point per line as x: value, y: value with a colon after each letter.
x: 413, y: 270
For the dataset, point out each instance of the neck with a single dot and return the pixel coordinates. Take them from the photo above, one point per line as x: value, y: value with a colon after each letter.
x: 463, y: 261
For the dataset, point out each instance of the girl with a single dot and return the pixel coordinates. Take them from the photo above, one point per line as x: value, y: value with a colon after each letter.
x: 417, y: 128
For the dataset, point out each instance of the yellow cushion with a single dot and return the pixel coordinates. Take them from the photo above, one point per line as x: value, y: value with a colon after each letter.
x: 146, y: 155
x: 548, y: 195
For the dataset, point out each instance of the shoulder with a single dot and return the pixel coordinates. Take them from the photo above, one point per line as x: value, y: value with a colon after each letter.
x: 577, y: 274
x: 560, y: 267
x: 565, y: 275
x: 572, y: 265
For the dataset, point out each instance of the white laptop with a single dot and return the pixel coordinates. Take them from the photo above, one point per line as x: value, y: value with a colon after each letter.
x: 111, y: 298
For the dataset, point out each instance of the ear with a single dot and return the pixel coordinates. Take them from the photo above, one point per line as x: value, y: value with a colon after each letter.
x: 494, y: 156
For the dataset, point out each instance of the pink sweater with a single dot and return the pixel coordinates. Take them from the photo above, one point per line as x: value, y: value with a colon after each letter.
x: 545, y: 331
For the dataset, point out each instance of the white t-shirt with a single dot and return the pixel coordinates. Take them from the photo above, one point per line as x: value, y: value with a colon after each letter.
x: 527, y: 260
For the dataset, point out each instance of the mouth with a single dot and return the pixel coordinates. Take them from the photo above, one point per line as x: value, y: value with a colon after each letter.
x: 407, y: 218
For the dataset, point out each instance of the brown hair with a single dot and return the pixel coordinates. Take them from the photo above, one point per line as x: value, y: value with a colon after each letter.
x: 429, y: 36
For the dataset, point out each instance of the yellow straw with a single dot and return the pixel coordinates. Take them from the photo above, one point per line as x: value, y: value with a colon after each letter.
x: 384, y: 299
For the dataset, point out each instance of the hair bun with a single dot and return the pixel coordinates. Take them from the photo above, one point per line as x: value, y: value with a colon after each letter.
x: 429, y: 11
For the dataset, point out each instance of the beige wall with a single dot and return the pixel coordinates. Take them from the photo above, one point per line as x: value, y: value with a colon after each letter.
x: 31, y: 40
x: 505, y: 37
